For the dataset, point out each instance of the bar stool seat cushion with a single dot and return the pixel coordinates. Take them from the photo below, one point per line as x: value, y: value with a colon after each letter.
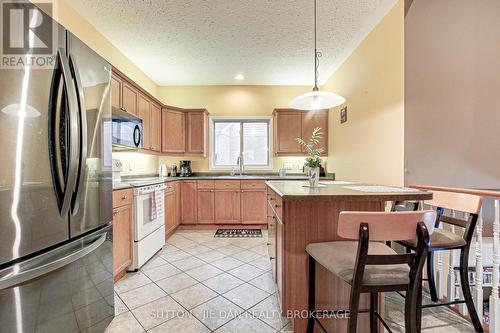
x: 440, y: 239
x: 339, y: 257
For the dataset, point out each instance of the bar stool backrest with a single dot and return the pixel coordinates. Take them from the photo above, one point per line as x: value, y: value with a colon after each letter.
x: 385, y: 226
x: 459, y: 202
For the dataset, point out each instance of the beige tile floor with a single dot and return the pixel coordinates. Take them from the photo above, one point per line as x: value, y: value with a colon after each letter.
x: 198, y: 283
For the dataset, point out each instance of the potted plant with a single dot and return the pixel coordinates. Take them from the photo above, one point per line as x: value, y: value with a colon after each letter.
x: 313, y: 161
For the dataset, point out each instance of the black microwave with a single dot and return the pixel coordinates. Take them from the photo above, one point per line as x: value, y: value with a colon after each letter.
x: 127, y: 130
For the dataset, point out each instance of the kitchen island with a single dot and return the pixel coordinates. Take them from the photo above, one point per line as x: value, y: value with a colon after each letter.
x: 299, y: 215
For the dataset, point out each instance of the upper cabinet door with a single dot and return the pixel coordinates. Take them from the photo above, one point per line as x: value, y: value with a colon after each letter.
x: 116, y: 92
x: 173, y: 139
x: 288, y: 128
x: 312, y: 119
x: 196, y: 133
x: 145, y: 115
x: 155, y: 127
x: 129, y: 98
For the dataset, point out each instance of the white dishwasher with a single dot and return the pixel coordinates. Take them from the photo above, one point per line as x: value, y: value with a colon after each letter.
x: 149, y: 223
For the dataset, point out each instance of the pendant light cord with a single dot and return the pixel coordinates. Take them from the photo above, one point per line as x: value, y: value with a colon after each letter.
x: 317, y: 54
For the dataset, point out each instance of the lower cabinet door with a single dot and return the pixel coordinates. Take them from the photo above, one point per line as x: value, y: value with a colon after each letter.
x: 206, y: 201
x: 253, y: 207
x: 178, y: 203
x: 227, y: 206
x: 189, y: 204
x: 122, y: 238
x: 170, y: 212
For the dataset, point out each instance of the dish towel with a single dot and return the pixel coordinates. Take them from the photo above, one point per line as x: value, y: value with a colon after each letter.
x: 154, y: 211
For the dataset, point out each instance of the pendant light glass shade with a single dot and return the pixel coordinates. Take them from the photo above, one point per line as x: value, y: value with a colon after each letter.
x: 316, y: 100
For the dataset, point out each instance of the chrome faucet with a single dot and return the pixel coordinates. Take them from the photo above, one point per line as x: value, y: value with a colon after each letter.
x: 239, y: 162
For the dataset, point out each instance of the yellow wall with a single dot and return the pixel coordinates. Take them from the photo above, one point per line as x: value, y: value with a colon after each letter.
x: 370, y: 146
x: 235, y: 101
x: 69, y: 18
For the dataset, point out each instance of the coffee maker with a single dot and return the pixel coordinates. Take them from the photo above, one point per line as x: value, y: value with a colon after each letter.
x: 185, y: 169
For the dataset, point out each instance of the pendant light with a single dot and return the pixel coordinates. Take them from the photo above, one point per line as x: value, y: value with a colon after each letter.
x: 316, y: 99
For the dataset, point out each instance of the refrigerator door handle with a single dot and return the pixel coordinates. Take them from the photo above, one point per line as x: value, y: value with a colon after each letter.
x: 73, y: 134
x: 81, y: 174
x: 18, y: 276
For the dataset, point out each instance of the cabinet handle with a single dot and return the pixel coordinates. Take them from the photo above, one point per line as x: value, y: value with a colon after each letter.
x: 114, y: 213
x: 277, y: 206
x: 124, y: 197
x: 272, y: 258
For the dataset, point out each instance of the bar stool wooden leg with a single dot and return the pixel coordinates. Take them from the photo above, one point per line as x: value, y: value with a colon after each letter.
x: 419, y: 308
x: 464, y: 279
x: 312, y: 295
x: 354, y: 308
x: 373, y: 308
x: 430, y: 276
x: 408, y: 298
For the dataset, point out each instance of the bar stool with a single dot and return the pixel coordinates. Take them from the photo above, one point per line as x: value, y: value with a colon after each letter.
x: 442, y: 240
x: 370, y: 266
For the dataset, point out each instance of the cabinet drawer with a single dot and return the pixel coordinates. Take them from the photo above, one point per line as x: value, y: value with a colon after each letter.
x: 227, y: 184
x: 253, y: 184
x: 205, y: 184
x: 122, y: 198
x: 169, y: 187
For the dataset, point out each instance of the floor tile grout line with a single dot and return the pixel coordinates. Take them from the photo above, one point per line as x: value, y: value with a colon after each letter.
x: 138, y: 286
x: 198, y: 282
x: 270, y: 295
x: 185, y: 309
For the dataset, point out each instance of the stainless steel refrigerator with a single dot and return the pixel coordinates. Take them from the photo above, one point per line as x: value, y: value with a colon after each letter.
x: 56, y: 259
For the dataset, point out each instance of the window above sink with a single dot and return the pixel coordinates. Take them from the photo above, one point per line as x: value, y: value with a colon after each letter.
x: 248, y: 137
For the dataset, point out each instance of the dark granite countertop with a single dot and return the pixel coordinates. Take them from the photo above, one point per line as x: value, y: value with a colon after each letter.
x: 138, y: 181
x: 339, y: 190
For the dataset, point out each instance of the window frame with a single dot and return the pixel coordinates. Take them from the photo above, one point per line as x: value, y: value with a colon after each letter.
x: 241, y: 119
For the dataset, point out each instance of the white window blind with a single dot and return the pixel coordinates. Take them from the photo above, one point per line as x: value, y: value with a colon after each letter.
x: 233, y: 138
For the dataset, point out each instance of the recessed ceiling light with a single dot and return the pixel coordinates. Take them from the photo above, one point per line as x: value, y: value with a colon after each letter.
x: 239, y: 77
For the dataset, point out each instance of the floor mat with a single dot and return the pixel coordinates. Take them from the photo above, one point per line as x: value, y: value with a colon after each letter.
x: 244, y: 233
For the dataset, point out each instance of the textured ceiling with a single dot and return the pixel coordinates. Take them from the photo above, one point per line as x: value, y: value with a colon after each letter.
x: 199, y: 42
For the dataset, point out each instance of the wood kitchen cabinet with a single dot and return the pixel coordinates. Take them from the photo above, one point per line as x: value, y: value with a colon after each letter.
x: 178, y: 202
x: 166, y: 129
x: 206, y: 206
x: 150, y: 113
x: 189, y: 202
x: 155, y: 127
x: 288, y: 124
x: 227, y: 207
x: 116, y: 92
x: 122, y: 232
x: 291, y: 124
x: 173, y: 136
x: 253, y: 202
x: 184, y: 131
x: 311, y: 120
x: 196, y: 128
x: 144, y: 113
x: 170, y: 210
x: 130, y: 97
